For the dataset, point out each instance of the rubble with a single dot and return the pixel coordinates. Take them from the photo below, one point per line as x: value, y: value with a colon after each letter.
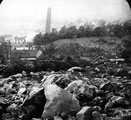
x: 100, y: 92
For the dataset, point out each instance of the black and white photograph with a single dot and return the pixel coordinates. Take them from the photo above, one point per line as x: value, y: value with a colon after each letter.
x: 65, y: 60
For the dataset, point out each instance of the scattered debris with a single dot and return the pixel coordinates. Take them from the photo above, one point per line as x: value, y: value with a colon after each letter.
x: 98, y: 92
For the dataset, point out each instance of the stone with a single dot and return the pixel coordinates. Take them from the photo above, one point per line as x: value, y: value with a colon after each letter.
x: 58, y: 100
x: 71, y: 117
x: 100, y: 101
x: 127, y: 89
x: 125, y: 114
x: 62, y: 80
x: 114, y: 118
x: 116, y: 101
x: 111, y: 86
x: 76, y: 69
x: 82, y: 91
x: 33, y: 105
x: 97, y: 116
x: 11, y: 108
x: 57, y: 118
x: 86, y: 113
x: 35, y: 119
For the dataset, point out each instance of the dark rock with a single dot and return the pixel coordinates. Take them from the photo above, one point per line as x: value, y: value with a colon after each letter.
x: 100, y: 101
x: 126, y: 89
x: 111, y: 86
x: 33, y: 105
x: 58, y: 100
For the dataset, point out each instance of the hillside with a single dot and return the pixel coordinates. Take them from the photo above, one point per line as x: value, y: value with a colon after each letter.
x: 86, y: 46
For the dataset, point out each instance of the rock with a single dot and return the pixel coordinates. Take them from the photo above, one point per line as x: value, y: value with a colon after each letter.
x: 57, y: 118
x: 35, y: 119
x: 86, y: 113
x: 71, y: 117
x: 11, y: 108
x: 125, y: 114
x: 104, y: 116
x: 111, y: 86
x: 49, y: 79
x: 62, y: 80
x: 97, y: 116
x: 76, y: 69
x: 33, y: 105
x: 116, y: 101
x: 82, y: 91
x: 113, y: 118
x: 21, y: 91
x: 126, y: 89
x: 58, y: 100
x: 4, y: 103
x: 19, y: 75
x: 99, y: 81
x: 100, y: 101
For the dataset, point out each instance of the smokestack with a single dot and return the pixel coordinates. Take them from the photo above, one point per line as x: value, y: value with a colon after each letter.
x: 48, y: 21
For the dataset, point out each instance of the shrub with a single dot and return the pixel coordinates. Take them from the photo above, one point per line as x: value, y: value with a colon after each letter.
x: 126, y: 52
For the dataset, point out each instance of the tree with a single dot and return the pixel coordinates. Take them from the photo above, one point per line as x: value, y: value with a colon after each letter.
x: 99, y: 31
x: 118, y: 30
x: 71, y: 32
x: 81, y: 32
x: 127, y: 27
x: 126, y: 52
x: 4, y: 52
x: 38, y: 40
x: 62, y: 32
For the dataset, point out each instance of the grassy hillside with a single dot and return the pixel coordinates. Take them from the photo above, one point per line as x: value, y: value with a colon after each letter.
x: 91, y: 45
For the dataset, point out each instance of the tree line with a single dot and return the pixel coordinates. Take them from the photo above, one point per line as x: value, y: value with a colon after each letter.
x: 113, y: 30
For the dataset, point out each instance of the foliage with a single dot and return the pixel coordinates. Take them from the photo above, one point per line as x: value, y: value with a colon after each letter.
x: 114, y: 30
x: 4, y: 52
x: 126, y: 52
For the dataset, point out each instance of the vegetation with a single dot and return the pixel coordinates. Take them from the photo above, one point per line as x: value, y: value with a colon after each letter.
x: 126, y: 51
x: 112, y: 30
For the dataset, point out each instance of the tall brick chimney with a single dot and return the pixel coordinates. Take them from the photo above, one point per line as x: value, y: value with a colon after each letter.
x: 48, y: 21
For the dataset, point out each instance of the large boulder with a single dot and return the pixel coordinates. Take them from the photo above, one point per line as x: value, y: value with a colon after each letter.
x: 58, y: 101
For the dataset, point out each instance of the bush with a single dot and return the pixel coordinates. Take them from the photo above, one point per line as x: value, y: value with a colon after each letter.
x: 126, y: 52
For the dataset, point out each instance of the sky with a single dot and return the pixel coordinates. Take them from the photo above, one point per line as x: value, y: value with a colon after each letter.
x: 16, y: 15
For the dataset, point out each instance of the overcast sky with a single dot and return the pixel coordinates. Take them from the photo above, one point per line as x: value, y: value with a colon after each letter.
x: 62, y: 10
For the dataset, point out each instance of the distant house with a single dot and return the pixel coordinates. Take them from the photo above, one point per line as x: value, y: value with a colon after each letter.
x: 20, y: 41
x: 30, y: 55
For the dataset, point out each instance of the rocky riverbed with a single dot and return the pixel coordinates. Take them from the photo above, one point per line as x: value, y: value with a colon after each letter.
x: 101, y: 92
